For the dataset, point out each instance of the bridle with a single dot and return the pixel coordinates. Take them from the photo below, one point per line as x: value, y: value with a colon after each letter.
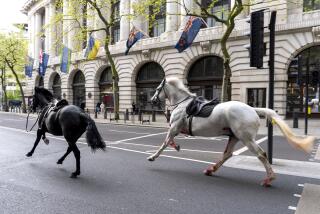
x: 161, y: 87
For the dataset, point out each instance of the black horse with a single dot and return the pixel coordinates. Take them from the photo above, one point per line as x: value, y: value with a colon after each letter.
x: 67, y: 120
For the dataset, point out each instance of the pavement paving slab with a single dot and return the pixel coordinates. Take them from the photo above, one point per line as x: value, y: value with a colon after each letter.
x: 309, y: 202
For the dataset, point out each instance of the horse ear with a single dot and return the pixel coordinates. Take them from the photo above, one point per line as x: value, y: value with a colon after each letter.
x: 36, y: 88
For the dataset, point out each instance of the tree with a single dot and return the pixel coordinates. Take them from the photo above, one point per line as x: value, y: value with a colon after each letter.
x: 3, y: 85
x: 204, y: 10
x: 13, y: 49
x: 78, y: 17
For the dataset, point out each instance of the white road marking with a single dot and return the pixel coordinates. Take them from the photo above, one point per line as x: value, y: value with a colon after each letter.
x: 187, y: 137
x: 168, y: 156
x: 113, y: 130
x: 243, y: 149
x: 300, y: 185
x: 189, y: 150
x: 297, y: 195
x: 292, y: 208
x: 144, y: 136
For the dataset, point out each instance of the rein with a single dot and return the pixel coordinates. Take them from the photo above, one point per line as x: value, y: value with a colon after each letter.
x: 33, y: 124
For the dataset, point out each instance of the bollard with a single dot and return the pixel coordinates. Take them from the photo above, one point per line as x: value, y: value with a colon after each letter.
x: 95, y: 114
x: 105, y: 114
x: 168, y: 115
x: 126, y: 116
x: 295, y: 120
x: 153, y: 116
x: 140, y: 115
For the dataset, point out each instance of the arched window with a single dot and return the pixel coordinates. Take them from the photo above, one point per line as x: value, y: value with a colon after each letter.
x: 105, y: 86
x: 307, y: 61
x: 205, y: 77
x: 79, y: 90
x: 56, y: 87
x: 148, y: 78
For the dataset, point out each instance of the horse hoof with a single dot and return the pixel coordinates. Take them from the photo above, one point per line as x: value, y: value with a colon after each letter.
x: 207, y: 172
x: 74, y: 175
x: 266, y: 182
x: 29, y: 154
x: 177, y: 148
x: 150, y: 158
x: 59, y: 162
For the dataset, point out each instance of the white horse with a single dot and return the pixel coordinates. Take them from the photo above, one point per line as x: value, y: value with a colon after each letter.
x: 235, y: 119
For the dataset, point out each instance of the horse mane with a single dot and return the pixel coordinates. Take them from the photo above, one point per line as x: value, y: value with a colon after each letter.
x: 174, y: 81
x: 44, y: 92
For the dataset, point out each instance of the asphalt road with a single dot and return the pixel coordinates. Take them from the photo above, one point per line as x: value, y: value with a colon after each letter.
x: 121, y: 180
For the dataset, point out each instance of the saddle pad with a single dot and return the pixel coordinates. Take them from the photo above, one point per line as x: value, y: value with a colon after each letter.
x: 199, y: 107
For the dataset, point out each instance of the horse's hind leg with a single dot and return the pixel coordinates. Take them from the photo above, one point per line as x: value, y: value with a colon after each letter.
x: 39, y: 134
x: 76, y: 153
x: 262, y: 156
x: 60, y: 161
x: 226, y: 155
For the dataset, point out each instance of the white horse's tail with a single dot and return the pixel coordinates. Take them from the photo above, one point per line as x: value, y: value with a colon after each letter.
x: 302, y: 143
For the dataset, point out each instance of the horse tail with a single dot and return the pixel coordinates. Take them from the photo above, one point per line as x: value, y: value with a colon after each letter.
x: 302, y: 143
x: 93, y: 136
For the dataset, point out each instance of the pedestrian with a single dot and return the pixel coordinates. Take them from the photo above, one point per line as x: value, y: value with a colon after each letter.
x: 102, y: 107
x: 98, y: 107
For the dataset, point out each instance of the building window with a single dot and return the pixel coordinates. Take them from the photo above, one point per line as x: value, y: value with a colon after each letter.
x: 257, y: 97
x: 205, y: 77
x: 157, y: 21
x: 148, y: 78
x: 220, y: 8
x: 105, y: 86
x: 56, y: 87
x: 306, y: 60
x: 115, y: 30
x: 309, y: 5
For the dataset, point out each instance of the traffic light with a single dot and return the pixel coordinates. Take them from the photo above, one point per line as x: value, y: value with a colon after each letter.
x: 256, y: 39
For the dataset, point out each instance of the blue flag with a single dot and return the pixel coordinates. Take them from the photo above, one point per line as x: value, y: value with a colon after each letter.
x: 43, y: 63
x: 29, y: 67
x: 65, y: 59
x: 134, y: 36
x: 190, y: 32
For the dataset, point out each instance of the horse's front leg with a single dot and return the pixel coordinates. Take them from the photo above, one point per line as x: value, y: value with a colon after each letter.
x: 39, y: 134
x: 174, y: 131
x: 45, y: 139
x: 160, y: 150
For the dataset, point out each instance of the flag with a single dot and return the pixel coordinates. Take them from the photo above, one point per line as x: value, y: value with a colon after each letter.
x: 190, y: 32
x: 92, y: 48
x: 134, y: 36
x: 65, y: 59
x: 43, y: 63
x: 29, y: 67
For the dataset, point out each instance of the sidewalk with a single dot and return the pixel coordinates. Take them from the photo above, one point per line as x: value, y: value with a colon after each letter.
x: 161, y: 122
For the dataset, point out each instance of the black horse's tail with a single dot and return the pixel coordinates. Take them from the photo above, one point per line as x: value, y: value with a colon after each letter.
x: 93, y: 136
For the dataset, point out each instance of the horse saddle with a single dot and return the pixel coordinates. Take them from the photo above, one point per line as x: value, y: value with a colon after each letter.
x: 199, y: 107
x: 59, y: 105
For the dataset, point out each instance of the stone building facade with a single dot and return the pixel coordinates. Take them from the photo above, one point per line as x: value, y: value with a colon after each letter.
x: 200, y: 66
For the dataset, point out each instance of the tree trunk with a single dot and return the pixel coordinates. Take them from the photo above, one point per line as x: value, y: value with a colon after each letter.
x: 24, y: 107
x: 115, y: 78
x: 226, y: 83
x: 5, y: 96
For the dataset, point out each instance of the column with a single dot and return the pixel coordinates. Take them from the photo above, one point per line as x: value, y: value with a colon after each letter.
x: 124, y: 22
x: 37, y: 39
x: 101, y: 35
x: 65, y: 24
x: 52, y: 29
x: 137, y: 21
x: 172, y: 23
x: 47, y: 29
x: 188, y: 4
x: 30, y: 36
